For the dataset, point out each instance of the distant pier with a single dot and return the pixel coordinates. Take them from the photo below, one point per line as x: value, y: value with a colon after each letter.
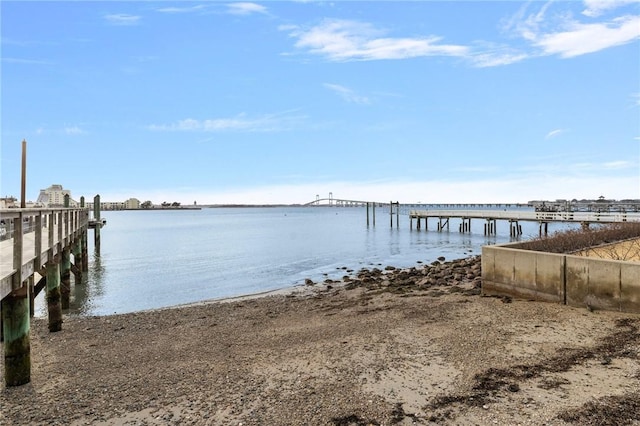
x: 514, y: 217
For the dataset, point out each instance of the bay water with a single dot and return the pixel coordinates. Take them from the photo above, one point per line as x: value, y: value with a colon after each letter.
x: 160, y: 258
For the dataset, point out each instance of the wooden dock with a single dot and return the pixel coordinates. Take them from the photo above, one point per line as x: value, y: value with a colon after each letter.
x: 513, y: 217
x: 50, y: 244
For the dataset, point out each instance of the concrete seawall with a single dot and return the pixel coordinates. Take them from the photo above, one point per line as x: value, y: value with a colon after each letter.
x: 579, y: 281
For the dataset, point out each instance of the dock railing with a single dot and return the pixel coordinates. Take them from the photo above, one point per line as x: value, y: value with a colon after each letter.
x: 29, y: 238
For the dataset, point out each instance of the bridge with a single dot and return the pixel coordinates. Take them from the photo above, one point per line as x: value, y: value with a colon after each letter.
x: 339, y: 202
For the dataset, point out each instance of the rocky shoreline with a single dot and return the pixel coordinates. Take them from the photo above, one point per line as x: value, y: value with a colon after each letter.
x: 384, y: 346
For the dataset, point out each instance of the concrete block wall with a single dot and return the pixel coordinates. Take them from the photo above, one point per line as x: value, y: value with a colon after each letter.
x: 572, y: 280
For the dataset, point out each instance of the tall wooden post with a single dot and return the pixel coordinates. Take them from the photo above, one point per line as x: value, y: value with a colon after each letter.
x: 391, y: 212
x: 397, y: 214
x: 23, y: 184
x: 65, y: 277
x: 54, y: 305
x: 96, y: 217
x: 367, y: 215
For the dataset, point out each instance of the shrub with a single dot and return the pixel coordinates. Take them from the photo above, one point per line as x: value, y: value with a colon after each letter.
x: 581, y: 239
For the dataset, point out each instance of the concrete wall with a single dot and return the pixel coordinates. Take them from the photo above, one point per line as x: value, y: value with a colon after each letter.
x: 572, y: 280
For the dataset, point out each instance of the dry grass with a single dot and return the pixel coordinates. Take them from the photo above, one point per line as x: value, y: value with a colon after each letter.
x: 628, y: 250
x: 617, y: 242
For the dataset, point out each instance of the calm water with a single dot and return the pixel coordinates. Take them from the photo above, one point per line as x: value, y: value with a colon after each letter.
x: 153, y: 259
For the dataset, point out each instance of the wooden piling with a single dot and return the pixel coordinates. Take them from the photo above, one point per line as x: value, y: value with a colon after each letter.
x: 16, y: 329
x: 96, y: 217
x: 54, y: 304
x: 77, y: 259
x: 367, y: 215
x: 391, y: 212
x: 65, y: 278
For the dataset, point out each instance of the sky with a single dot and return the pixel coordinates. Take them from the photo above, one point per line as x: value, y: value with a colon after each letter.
x: 273, y: 102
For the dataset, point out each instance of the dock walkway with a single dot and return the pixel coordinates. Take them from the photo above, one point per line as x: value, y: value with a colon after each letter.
x: 513, y: 217
x: 42, y: 242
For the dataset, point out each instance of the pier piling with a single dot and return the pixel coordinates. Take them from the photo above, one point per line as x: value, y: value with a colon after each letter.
x: 16, y: 323
x: 54, y: 303
x: 65, y: 278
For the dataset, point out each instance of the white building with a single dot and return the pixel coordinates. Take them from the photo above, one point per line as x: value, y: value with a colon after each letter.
x: 132, y: 203
x: 53, y: 196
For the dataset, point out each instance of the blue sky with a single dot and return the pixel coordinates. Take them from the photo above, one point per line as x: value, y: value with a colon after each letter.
x: 275, y: 102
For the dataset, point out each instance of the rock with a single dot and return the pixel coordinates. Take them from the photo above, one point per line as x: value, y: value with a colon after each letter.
x: 308, y: 281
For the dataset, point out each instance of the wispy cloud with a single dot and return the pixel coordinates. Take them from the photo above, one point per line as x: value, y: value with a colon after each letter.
x: 240, y: 123
x: 622, y: 164
x: 122, y: 19
x: 578, y: 39
x: 346, y: 40
x: 347, y: 94
x: 26, y: 61
x: 563, y: 35
x: 188, y: 9
x: 554, y: 133
x: 595, y: 8
x: 73, y: 130
x: 245, y: 8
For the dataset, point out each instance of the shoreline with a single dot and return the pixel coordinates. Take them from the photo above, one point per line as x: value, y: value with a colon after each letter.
x: 393, y: 346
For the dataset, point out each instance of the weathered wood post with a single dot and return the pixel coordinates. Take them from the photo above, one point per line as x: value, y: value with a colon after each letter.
x: 367, y: 214
x: 32, y: 304
x: 16, y: 322
x: 391, y: 212
x: 17, y: 347
x: 96, y: 218
x: 65, y: 277
x: 84, y: 240
x: 374, y: 214
x: 54, y: 304
x: 77, y: 259
x: 397, y: 214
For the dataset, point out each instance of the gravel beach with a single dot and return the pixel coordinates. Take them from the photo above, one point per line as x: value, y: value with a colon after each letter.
x: 382, y: 347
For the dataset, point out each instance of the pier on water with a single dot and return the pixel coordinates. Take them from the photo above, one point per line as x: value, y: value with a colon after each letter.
x: 39, y: 250
x: 490, y: 213
x: 491, y: 217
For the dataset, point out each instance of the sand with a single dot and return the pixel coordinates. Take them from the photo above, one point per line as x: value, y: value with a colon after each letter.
x: 388, y: 348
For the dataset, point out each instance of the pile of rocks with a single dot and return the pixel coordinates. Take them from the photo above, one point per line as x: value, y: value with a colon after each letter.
x: 454, y: 273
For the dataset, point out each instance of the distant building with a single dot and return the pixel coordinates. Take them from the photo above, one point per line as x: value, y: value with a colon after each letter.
x: 53, y: 196
x: 8, y: 202
x: 132, y: 203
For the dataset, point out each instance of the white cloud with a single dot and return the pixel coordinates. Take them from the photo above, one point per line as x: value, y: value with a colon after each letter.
x: 497, y: 58
x: 595, y: 8
x: 122, y: 19
x: 245, y: 8
x: 25, y: 61
x: 622, y: 164
x: 190, y: 9
x: 579, y: 39
x: 74, y: 130
x: 265, y: 123
x: 561, y: 34
x: 344, y: 40
x: 554, y: 133
x: 347, y: 94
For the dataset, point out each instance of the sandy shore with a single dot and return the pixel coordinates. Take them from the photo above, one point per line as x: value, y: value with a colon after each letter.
x: 385, y: 348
